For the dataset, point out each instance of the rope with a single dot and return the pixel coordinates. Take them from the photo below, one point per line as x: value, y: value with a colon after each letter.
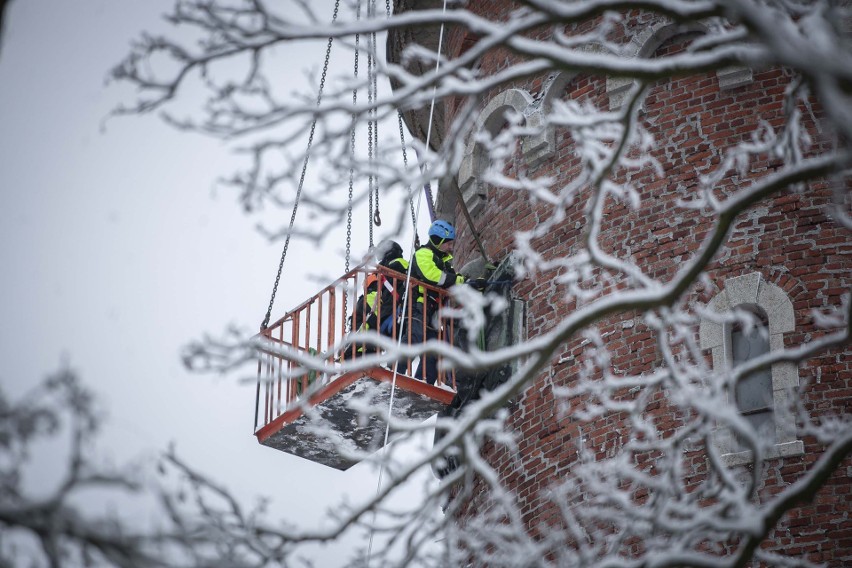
x: 415, y: 217
x: 427, y: 188
x: 302, y: 177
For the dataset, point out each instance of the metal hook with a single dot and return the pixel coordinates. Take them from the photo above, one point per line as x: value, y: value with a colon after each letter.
x: 377, y: 219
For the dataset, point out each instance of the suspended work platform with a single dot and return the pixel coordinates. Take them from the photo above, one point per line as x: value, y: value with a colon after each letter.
x: 320, y: 415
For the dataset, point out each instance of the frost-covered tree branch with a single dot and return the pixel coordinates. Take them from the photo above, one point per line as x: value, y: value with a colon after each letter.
x: 190, y: 521
x: 656, y: 462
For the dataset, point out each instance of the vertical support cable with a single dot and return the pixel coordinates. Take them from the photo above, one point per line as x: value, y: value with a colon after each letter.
x: 427, y: 188
x: 407, y: 287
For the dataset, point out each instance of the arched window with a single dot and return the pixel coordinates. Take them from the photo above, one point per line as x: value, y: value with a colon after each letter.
x: 753, y: 393
x: 761, y: 397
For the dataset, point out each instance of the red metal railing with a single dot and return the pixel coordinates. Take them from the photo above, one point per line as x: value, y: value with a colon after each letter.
x: 320, y: 326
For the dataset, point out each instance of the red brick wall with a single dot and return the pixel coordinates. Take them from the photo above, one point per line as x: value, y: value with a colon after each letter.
x: 790, y: 240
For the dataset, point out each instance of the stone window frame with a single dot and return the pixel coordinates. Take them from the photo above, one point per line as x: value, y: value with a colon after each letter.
x: 492, y: 118
x: 751, y: 291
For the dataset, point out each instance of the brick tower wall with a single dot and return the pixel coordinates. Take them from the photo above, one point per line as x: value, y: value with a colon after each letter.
x: 790, y: 240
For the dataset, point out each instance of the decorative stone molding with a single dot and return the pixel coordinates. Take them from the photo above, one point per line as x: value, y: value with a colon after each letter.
x: 555, y: 87
x: 617, y: 89
x: 751, y: 291
x: 537, y: 148
x: 733, y: 77
x: 647, y: 41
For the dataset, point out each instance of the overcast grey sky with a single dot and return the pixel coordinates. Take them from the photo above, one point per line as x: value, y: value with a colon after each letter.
x: 115, y: 252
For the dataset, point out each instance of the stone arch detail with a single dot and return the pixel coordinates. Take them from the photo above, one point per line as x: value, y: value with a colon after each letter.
x: 491, y: 120
x: 647, y: 41
x: 555, y: 87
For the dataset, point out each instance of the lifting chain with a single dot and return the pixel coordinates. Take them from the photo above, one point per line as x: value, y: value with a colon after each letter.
x: 351, y: 177
x: 302, y: 177
x: 370, y: 135
x: 352, y: 157
x: 372, y: 128
x: 377, y: 218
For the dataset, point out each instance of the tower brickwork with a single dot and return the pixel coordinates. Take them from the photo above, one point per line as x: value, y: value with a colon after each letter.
x: 785, y: 257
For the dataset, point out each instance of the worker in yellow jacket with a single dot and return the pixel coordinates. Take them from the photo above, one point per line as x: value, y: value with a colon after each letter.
x: 432, y: 264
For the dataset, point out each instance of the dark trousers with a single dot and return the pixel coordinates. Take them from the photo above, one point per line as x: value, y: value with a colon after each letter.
x: 413, y: 331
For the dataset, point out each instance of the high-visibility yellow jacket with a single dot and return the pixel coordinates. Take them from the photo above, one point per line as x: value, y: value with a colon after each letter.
x: 435, y: 267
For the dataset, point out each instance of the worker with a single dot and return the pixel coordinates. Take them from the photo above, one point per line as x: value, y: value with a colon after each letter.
x: 375, y: 309
x: 392, y: 287
x: 432, y: 264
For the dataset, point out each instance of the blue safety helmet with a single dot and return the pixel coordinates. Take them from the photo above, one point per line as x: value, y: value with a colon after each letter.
x: 443, y: 230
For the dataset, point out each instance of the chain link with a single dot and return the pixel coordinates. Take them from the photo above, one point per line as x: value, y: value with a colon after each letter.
x: 302, y: 176
x: 370, y: 125
x: 352, y: 155
x: 377, y: 219
x: 351, y: 176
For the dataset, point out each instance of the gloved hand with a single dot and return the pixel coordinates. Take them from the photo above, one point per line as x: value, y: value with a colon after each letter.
x: 478, y: 283
x: 387, y: 325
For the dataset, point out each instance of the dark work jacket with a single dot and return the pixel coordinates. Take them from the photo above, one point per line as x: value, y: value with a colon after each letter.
x: 390, y: 289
